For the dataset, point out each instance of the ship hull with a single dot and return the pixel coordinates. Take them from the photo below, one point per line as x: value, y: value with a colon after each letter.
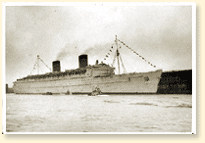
x: 117, y: 84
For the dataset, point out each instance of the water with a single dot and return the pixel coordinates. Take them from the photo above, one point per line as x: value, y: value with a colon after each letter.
x: 114, y: 113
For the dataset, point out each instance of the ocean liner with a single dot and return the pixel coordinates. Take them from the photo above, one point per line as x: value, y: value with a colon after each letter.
x: 87, y: 77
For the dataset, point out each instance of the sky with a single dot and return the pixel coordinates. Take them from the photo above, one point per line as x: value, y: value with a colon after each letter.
x: 162, y: 35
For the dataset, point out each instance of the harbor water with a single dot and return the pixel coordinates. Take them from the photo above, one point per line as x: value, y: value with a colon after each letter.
x: 105, y: 113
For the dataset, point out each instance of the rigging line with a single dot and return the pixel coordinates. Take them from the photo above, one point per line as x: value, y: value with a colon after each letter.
x: 44, y: 64
x: 122, y: 64
x: 129, y: 66
x: 114, y: 60
x: 116, y: 70
x: 39, y: 68
x: 33, y: 67
x: 138, y: 55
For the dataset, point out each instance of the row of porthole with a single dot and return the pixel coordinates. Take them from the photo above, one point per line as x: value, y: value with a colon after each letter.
x: 146, y: 79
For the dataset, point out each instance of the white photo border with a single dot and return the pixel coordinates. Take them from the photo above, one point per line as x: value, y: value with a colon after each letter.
x: 193, y: 4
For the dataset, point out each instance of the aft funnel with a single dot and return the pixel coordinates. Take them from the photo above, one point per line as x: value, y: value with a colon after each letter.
x: 56, y: 66
x: 83, y: 61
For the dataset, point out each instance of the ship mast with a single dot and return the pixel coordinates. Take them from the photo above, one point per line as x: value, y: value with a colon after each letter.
x: 119, y: 58
x: 117, y: 53
x: 36, y: 65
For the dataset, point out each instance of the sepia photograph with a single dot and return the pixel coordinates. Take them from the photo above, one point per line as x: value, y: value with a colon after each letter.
x: 99, y: 68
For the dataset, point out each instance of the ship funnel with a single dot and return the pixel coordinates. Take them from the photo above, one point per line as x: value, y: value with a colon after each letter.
x: 83, y: 61
x: 56, y: 66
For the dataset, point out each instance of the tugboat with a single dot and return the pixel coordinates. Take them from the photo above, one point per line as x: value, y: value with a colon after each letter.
x: 95, y: 92
x: 68, y: 93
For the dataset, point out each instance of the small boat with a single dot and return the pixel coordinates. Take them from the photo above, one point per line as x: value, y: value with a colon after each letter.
x: 68, y: 93
x: 95, y: 92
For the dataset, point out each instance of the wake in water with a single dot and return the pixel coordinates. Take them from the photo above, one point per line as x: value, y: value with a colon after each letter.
x: 150, y: 104
x: 174, y: 105
x: 111, y: 101
x: 181, y: 106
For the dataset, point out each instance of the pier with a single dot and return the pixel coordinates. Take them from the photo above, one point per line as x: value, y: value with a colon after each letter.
x: 175, y: 82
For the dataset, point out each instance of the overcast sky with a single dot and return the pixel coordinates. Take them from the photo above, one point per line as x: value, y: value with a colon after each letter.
x: 161, y: 34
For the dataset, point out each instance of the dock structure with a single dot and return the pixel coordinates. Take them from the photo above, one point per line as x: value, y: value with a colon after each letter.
x: 175, y: 82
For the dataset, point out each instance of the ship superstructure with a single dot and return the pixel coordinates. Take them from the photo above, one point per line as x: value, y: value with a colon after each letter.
x: 85, y: 78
